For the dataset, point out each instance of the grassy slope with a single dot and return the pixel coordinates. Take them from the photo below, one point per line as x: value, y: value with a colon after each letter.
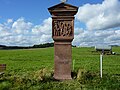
x: 90, y: 61
x: 22, y: 61
x: 26, y: 60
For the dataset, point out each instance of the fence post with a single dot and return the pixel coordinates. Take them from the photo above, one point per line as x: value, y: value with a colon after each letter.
x: 73, y: 64
x: 101, y: 59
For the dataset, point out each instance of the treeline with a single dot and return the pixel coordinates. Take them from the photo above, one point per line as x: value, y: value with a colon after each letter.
x: 27, y: 47
x: 43, y: 45
x: 13, y: 47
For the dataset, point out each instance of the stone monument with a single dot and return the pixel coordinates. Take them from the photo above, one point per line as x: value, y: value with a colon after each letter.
x: 62, y: 34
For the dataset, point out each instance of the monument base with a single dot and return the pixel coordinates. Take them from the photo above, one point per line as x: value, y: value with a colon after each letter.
x: 62, y: 65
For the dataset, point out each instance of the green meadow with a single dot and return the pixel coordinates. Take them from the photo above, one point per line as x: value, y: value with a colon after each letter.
x: 32, y: 69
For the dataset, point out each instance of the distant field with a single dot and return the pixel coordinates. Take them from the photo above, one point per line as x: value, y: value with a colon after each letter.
x: 24, y: 61
x: 90, y: 61
x: 27, y: 59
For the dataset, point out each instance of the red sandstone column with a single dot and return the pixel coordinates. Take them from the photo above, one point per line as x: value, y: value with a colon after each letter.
x: 62, y: 34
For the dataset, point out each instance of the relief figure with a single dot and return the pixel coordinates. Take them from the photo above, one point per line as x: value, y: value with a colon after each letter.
x: 62, y: 28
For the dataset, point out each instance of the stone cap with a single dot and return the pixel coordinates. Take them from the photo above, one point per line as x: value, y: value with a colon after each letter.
x: 63, y: 39
x: 63, y: 9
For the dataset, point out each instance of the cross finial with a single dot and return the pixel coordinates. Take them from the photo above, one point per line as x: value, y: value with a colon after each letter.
x: 63, y: 1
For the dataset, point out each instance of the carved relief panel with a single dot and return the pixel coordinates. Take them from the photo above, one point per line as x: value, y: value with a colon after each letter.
x: 62, y: 28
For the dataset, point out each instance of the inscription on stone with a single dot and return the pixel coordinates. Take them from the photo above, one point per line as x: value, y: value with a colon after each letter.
x: 62, y: 28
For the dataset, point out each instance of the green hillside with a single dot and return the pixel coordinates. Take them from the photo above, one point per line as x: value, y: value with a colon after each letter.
x: 33, y: 69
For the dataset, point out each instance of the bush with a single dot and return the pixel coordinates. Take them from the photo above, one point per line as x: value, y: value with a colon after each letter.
x: 43, y: 80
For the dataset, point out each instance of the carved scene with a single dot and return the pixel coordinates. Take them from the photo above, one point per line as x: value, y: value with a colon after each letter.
x: 62, y: 28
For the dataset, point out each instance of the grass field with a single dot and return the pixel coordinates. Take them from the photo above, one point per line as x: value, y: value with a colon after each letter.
x: 32, y: 69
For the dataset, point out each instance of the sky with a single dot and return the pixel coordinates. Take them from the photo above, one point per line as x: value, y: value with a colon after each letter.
x: 28, y: 22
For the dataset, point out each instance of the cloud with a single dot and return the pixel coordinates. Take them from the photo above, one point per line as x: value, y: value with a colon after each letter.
x: 21, y: 27
x: 100, y: 16
x: 24, y: 33
x: 4, y: 30
x: 44, y: 28
x: 43, y: 32
x: 9, y: 20
x: 102, y: 23
x: 92, y: 38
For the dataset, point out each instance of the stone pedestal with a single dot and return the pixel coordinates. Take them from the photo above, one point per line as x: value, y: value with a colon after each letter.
x: 62, y: 34
x: 62, y: 60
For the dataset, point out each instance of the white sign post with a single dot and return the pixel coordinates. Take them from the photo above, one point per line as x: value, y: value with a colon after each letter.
x: 101, y: 59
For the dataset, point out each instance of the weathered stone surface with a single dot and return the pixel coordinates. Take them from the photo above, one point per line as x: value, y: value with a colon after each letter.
x: 62, y: 67
x: 2, y: 68
x: 63, y: 9
x: 62, y: 34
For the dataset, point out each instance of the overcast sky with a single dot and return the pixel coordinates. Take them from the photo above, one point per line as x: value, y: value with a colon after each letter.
x: 28, y: 22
